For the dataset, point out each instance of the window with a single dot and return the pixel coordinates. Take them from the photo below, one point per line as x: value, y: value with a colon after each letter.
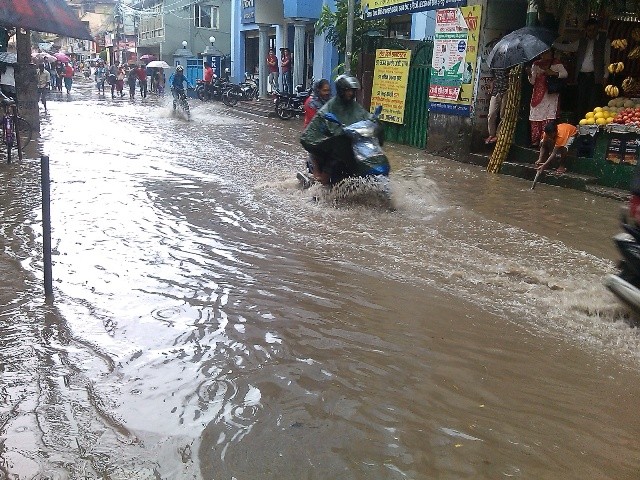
x: 206, y: 16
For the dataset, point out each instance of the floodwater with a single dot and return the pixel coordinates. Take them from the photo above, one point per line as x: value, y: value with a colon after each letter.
x: 213, y: 321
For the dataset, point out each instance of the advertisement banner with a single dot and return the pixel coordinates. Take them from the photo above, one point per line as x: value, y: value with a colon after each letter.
x: 455, y: 54
x: 388, y: 8
x: 389, y: 89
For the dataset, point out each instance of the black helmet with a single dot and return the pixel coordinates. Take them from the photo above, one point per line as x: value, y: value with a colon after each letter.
x: 347, y: 82
x: 179, y: 68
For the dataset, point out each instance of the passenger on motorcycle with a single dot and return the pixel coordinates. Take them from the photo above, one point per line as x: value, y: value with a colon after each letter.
x: 321, y: 95
x: 328, y: 157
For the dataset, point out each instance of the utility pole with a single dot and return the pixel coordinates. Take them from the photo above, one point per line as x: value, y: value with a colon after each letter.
x: 349, y: 40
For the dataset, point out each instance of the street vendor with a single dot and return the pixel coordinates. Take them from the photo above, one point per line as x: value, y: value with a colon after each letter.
x: 556, y: 140
x: 593, y: 54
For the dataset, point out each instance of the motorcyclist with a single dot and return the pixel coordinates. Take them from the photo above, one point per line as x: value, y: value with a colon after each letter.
x: 331, y: 159
x: 177, y: 82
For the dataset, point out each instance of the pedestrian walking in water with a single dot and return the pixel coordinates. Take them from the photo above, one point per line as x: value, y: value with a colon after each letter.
x: 100, y: 76
x: 113, y: 75
x: 68, y: 77
x: 132, y: 78
x: 120, y: 81
x: 59, y: 76
x: 159, y: 81
x: 43, y: 78
x: 141, y: 73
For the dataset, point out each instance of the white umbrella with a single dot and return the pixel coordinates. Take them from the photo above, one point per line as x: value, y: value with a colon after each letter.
x: 158, y: 64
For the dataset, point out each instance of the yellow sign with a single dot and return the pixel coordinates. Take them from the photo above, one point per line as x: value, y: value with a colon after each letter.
x: 390, y: 83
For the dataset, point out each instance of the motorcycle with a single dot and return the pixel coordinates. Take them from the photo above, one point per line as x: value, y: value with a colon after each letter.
x: 215, y: 92
x: 356, y: 153
x: 287, y: 105
x: 247, y: 90
x: 625, y: 284
x: 180, y: 100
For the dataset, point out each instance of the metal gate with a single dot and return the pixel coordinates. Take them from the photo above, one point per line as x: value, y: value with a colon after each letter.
x: 416, y: 115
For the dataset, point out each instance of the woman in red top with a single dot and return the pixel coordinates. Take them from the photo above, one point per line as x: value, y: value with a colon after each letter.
x: 321, y: 94
x: 68, y: 77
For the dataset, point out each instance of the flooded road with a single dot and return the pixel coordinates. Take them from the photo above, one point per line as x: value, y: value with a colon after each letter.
x: 212, y: 321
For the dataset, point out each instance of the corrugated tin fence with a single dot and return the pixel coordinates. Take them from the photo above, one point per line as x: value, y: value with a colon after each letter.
x: 416, y: 115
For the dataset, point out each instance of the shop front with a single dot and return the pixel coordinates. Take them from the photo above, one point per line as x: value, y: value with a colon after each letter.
x: 606, y: 150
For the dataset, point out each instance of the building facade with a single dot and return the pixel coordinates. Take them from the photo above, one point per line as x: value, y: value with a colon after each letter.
x: 163, y: 27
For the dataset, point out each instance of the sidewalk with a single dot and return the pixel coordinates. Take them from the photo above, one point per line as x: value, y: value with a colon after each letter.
x: 263, y: 107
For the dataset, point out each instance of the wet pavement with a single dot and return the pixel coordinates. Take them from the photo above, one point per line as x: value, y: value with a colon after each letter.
x: 211, y: 320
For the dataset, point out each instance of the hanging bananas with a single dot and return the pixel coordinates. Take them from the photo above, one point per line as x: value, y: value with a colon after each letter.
x: 619, y: 43
x: 611, y: 90
x: 635, y: 53
x: 635, y: 34
x: 616, y: 67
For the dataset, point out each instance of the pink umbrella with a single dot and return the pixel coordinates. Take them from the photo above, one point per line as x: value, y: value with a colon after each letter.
x: 147, y: 57
x: 61, y: 57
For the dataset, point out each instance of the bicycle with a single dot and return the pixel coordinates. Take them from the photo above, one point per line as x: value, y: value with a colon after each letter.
x: 15, y: 129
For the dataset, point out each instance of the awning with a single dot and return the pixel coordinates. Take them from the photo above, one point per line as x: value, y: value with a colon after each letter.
x: 51, y: 16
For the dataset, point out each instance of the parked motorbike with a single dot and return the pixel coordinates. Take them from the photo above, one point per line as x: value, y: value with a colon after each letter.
x: 357, y: 152
x: 625, y: 284
x: 247, y: 90
x: 287, y: 105
x: 180, y: 102
x: 217, y: 89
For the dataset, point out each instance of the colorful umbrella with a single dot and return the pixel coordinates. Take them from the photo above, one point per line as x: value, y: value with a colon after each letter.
x: 61, y: 57
x: 52, y: 16
x: 148, y: 57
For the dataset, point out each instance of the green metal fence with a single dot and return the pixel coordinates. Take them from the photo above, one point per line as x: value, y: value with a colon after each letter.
x: 416, y: 115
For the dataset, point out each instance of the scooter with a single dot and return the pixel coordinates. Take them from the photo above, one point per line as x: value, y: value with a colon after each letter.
x: 287, y: 105
x: 357, y: 152
x: 625, y: 284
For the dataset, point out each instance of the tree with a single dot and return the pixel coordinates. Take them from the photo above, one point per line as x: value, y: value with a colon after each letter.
x: 334, y: 26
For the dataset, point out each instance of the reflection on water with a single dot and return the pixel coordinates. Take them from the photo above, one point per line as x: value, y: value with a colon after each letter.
x: 212, y: 320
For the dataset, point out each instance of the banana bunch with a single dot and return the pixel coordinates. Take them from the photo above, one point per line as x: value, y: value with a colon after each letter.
x: 616, y: 67
x: 635, y: 53
x: 628, y: 83
x: 611, y: 90
x: 619, y: 44
x: 635, y: 34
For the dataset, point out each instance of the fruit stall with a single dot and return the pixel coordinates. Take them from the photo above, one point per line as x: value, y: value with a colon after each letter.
x: 610, y: 134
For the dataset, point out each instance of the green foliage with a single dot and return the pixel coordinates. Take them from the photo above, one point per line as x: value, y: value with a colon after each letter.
x: 334, y: 26
x: 103, y: 55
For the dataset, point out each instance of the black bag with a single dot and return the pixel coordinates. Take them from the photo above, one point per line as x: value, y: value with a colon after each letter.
x: 555, y: 84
